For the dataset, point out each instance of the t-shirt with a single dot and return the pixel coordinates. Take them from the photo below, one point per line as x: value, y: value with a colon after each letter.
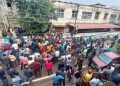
x: 87, y: 77
x: 57, y: 53
x: 12, y: 58
x: 94, y: 82
x: 49, y: 48
x: 37, y: 55
x: 24, y: 60
x: 15, y: 46
x: 46, y: 42
x: 40, y: 45
x: 56, y: 79
x: 2, y: 73
x: 12, y: 72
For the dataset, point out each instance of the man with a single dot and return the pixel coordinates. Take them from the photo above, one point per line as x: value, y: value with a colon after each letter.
x: 3, y: 77
x: 37, y: 67
x: 12, y: 72
x: 49, y: 48
x: 29, y: 73
x: 16, y: 80
x: 68, y: 63
x: 78, y: 77
x: 109, y: 69
x: 91, y: 54
x: 60, y: 63
x: 5, y: 60
x: 62, y: 49
x: 15, y: 46
x: 33, y: 46
x: 56, y: 79
x: 80, y: 62
x: 87, y: 77
x: 62, y: 73
x: 96, y: 82
x: 12, y: 60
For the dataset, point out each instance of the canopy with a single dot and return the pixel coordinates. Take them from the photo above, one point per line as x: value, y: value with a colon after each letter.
x: 92, y: 26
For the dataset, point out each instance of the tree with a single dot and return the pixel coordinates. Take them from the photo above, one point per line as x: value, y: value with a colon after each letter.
x: 118, y: 47
x: 34, y: 15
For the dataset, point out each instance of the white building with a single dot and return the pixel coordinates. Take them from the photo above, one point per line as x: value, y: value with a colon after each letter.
x: 68, y: 12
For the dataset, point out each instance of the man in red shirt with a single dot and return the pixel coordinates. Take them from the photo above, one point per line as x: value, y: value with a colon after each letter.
x: 37, y: 68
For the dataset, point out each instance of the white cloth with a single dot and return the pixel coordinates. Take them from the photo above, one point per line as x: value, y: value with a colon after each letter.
x: 94, y: 82
x: 84, y: 52
x: 68, y: 47
x: 66, y: 57
x: 57, y: 53
x: 46, y: 42
x: 37, y: 54
x: 32, y: 56
x: 15, y: 46
x: 111, y: 70
x: 16, y: 78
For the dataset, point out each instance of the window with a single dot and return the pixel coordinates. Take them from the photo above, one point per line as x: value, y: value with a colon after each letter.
x: 9, y: 4
x: 113, y: 16
x: 119, y: 17
x: 60, y: 13
x: 104, y: 58
x: 74, y: 14
x: 97, y: 15
x: 105, y: 16
x: 86, y: 15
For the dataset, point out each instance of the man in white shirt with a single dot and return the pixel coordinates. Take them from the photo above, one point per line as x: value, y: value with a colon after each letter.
x: 15, y: 46
x: 37, y: 55
x: 57, y: 53
x: 96, y: 82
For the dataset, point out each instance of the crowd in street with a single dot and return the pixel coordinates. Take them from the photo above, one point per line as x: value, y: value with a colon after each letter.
x: 36, y: 53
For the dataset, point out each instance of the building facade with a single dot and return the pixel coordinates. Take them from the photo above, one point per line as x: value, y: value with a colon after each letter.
x: 76, y: 13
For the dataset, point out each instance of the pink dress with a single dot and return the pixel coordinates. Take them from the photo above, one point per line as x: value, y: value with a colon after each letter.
x: 49, y: 66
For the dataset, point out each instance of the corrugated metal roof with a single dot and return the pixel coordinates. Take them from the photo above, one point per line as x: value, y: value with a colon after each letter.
x: 92, y: 25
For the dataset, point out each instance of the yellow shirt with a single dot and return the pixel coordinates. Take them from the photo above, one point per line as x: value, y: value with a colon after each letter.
x: 87, y: 77
x: 40, y: 45
x: 49, y: 48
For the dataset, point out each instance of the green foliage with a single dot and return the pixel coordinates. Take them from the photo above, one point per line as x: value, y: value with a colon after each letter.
x: 35, y: 15
x: 118, y: 47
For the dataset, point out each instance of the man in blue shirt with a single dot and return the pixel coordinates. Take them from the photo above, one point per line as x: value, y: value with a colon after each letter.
x: 56, y: 79
x: 62, y: 73
x: 3, y: 77
x: 12, y: 72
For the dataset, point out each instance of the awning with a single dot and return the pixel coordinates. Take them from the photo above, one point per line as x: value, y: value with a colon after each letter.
x: 92, y: 26
x: 58, y: 25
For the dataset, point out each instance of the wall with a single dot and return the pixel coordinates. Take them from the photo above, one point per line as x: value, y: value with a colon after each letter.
x: 68, y: 13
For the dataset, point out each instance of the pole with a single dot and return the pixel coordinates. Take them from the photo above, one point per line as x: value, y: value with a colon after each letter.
x: 76, y: 19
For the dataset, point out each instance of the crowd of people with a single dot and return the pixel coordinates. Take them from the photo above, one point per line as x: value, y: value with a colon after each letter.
x: 37, y: 53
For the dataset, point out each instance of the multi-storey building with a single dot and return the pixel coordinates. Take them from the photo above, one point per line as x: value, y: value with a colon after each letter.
x: 74, y: 13
x: 69, y: 15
